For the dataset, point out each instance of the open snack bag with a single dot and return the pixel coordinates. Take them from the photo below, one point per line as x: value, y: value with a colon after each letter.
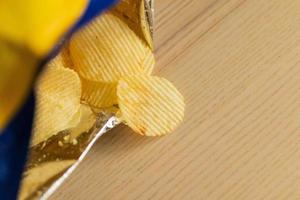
x: 101, y: 76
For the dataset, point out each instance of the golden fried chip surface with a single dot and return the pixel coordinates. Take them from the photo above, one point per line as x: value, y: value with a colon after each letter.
x: 87, y: 120
x: 98, y: 94
x: 58, y: 101
x: 107, y: 49
x: 148, y: 63
x: 150, y: 105
x: 62, y: 59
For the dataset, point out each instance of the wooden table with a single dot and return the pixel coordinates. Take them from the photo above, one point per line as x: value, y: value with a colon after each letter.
x: 237, y: 62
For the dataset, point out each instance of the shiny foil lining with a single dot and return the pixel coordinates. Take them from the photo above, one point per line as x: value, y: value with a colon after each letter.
x: 53, y: 160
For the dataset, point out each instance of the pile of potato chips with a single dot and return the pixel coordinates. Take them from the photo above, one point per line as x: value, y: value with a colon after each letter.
x: 104, y: 70
x: 105, y: 65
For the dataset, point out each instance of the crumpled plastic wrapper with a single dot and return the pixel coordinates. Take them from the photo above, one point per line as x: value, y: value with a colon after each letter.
x: 53, y: 160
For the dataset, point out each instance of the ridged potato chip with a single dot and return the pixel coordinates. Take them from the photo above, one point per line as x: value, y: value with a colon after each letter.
x: 128, y: 12
x: 62, y: 59
x: 98, y: 94
x: 87, y: 120
x: 106, y: 50
x: 103, y: 95
x: 149, y: 63
x: 150, y: 105
x: 134, y: 14
x: 58, y: 101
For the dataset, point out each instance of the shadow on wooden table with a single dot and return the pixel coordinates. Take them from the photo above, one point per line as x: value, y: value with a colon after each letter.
x: 110, y: 142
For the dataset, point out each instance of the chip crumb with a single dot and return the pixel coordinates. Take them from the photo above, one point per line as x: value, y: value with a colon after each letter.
x: 67, y: 138
x: 60, y: 143
x: 74, y: 142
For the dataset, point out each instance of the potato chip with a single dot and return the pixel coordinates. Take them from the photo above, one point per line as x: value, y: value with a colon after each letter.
x: 62, y: 59
x: 128, y: 12
x: 98, y: 94
x: 150, y: 105
x: 106, y: 50
x: 87, y: 120
x: 134, y: 14
x: 149, y: 62
x: 58, y: 101
x: 76, y: 118
x: 38, y: 175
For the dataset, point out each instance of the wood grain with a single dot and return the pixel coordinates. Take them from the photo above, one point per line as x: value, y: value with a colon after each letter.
x: 237, y: 62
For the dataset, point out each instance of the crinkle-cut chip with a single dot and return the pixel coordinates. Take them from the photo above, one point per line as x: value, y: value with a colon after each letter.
x: 149, y: 63
x: 99, y: 94
x: 58, y: 101
x: 134, y: 14
x: 87, y: 120
x: 60, y: 84
x: 62, y: 59
x: 57, y: 61
x: 36, y: 176
x: 65, y: 52
x: 76, y: 118
x: 150, y: 105
x: 106, y: 50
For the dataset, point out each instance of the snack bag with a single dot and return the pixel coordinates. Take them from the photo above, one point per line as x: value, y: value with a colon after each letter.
x: 101, y: 77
